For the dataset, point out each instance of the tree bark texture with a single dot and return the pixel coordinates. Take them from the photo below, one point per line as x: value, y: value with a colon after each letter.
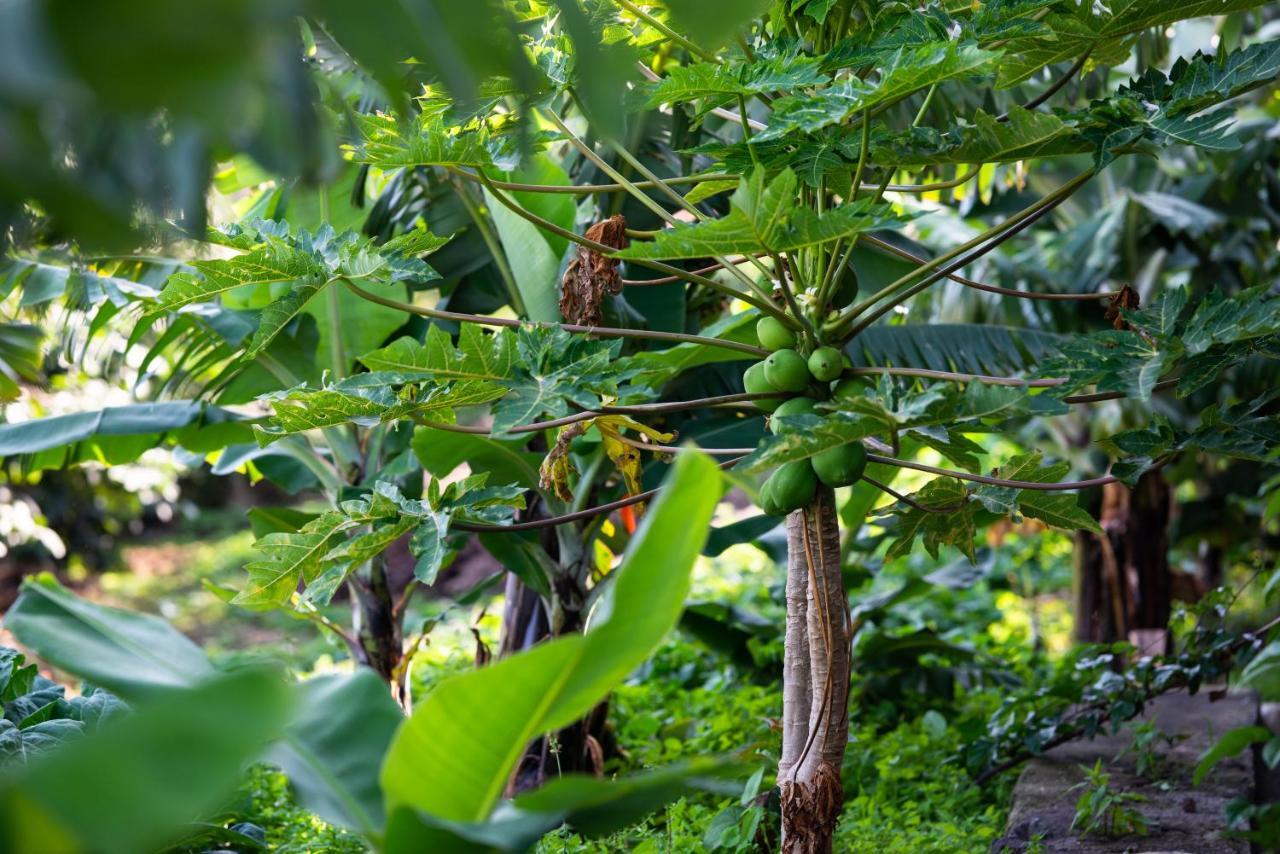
x: 815, y: 712
x: 1123, y: 582
x: 380, y: 637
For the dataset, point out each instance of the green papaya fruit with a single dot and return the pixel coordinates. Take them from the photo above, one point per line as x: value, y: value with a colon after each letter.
x: 786, y: 371
x: 792, y: 486
x: 841, y: 466
x: 773, y: 334
x: 848, y: 389
x: 755, y: 382
x: 826, y: 363
x: 794, y: 406
x: 768, y: 500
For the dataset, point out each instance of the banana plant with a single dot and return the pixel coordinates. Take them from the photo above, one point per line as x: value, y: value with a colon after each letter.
x: 432, y: 780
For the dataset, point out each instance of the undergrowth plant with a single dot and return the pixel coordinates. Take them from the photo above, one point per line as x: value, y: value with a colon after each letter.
x: 1101, y: 809
x: 766, y: 164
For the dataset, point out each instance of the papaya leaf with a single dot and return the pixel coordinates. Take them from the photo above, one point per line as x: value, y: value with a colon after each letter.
x: 906, y: 71
x: 719, y: 83
x: 801, y: 436
x: 556, y: 371
x: 1070, y: 31
x: 479, y: 355
x: 954, y: 504
x: 290, y: 558
x: 389, y: 143
x: 367, y: 399
x: 950, y: 522
x: 765, y: 217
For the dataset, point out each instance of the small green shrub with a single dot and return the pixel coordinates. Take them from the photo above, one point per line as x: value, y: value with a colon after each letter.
x: 1104, y: 810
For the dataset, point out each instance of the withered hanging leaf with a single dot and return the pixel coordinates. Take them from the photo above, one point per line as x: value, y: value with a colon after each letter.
x: 626, y: 457
x: 1125, y: 299
x: 557, y: 468
x: 591, y: 275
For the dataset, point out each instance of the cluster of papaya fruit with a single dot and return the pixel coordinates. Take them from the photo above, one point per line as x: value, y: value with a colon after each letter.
x: 792, y: 485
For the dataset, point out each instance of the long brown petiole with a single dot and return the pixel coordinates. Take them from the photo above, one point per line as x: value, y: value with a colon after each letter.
x: 601, y: 331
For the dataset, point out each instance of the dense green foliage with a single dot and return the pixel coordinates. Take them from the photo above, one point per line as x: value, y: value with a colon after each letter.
x: 500, y: 278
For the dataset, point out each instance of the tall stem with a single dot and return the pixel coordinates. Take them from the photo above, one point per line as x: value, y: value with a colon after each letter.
x: 491, y: 242
x: 1003, y: 232
x: 643, y: 198
x: 601, y: 331
x: 667, y: 31
x: 816, y: 660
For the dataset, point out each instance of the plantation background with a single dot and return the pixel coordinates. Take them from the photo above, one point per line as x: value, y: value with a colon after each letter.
x: 288, y: 236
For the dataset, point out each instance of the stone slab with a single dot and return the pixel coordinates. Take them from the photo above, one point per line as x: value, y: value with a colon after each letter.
x: 1180, y: 817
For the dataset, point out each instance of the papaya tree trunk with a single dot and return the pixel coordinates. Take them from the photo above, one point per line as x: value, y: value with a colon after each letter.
x: 380, y: 636
x: 815, y: 714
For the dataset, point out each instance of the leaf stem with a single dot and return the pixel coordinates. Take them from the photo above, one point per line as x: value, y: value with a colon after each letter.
x: 666, y: 280
x: 588, y: 414
x: 993, y: 237
x: 1052, y: 90
x: 554, y: 521
x: 494, y: 246
x: 765, y: 305
x: 602, y: 331
x: 888, y: 248
x: 951, y: 376
x: 668, y: 32
x: 996, y: 481
x: 643, y: 198
x: 910, y: 502
x: 591, y: 189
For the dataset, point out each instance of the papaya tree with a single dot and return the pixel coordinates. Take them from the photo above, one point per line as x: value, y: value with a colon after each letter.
x: 799, y: 146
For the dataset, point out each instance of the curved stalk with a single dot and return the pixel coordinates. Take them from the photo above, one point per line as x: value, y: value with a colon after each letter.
x: 1053, y: 90
x: 601, y: 331
x: 645, y: 200
x: 888, y: 490
x: 1097, y: 397
x: 494, y: 246
x: 639, y: 409
x: 592, y: 189
x: 554, y: 521
x: 889, y: 248
x: 667, y: 31
x: 667, y: 280
x: 952, y: 376
x: 992, y: 238
x: 996, y: 481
